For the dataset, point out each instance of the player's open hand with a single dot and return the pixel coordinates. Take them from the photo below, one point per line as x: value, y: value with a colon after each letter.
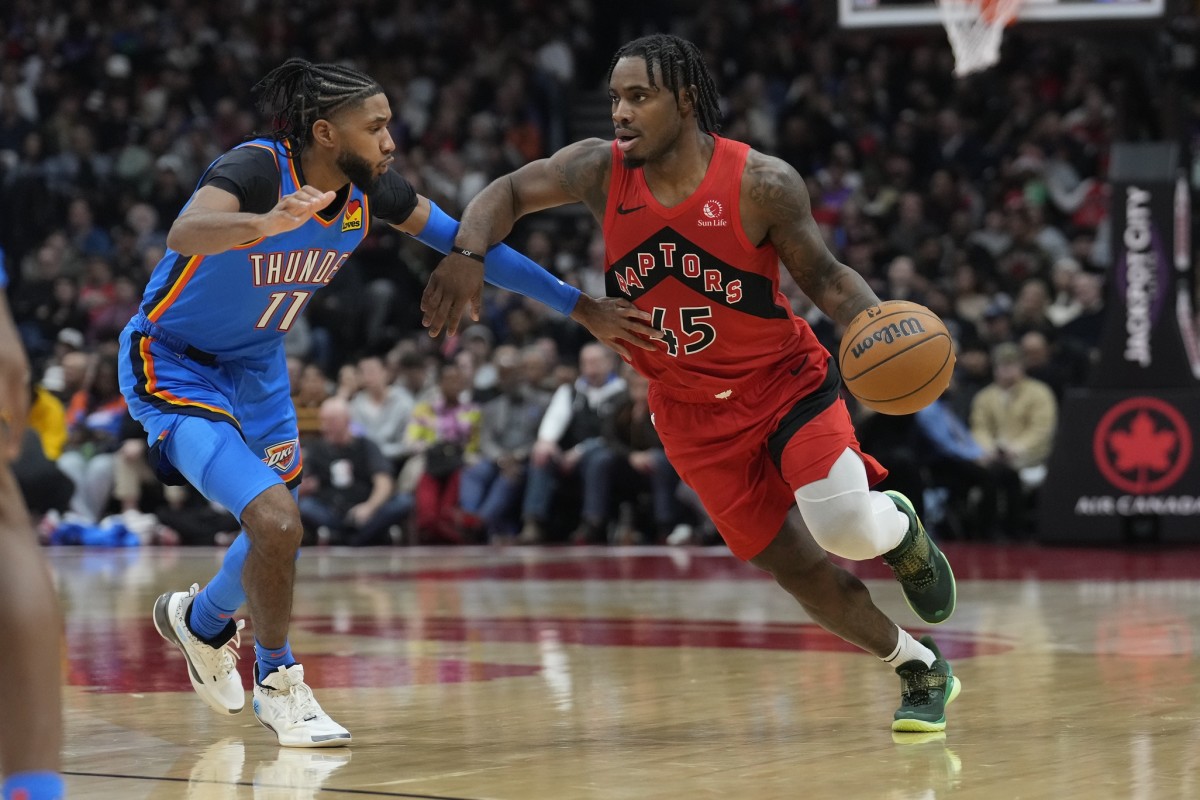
x: 616, y: 322
x: 456, y: 284
x: 295, y: 209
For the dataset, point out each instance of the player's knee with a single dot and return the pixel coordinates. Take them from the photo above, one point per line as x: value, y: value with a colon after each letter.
x: 842, y: 525
x: 272, y: 521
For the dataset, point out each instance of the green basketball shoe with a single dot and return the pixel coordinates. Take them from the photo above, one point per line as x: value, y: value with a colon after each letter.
x: 921, y: 568
x: 924, y: 693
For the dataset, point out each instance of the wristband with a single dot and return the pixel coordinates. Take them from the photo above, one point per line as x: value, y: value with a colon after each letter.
x: 503, y: 266
x: 471, y: 254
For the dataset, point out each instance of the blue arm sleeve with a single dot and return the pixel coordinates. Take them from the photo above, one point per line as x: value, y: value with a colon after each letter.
x: 503, y: 266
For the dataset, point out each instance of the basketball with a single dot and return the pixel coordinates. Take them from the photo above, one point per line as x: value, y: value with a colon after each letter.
x: 896, y: 357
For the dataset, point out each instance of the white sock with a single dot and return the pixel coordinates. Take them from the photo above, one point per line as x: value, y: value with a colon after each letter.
x: 909, y: 649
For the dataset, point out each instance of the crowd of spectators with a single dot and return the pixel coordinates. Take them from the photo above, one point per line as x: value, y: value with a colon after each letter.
x: 984, y: 199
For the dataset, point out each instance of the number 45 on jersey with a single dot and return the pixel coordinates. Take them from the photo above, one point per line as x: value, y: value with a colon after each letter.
x: 691, y: 325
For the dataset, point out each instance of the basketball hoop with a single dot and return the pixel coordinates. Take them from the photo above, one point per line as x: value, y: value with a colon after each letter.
x: 975, y: 28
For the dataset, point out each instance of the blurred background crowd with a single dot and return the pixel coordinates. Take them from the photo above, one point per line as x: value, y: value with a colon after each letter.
x: 984, y: 199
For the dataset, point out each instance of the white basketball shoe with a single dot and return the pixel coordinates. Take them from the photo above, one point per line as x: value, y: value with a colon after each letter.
x: 284, y: 704
x: 297, y: 774
x: 218, y: 771
x: 212, y: 668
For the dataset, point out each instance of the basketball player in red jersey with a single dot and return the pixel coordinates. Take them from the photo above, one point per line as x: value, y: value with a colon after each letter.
x: 744, y: 397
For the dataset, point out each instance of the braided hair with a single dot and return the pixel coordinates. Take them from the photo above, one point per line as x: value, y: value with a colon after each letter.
x: 297, y: 93
x: 681, y: 66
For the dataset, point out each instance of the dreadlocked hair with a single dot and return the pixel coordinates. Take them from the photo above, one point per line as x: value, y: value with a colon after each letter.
x: 681, y: 66
x: 297, y: 93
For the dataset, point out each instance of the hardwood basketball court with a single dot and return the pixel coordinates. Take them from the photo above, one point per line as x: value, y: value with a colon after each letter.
x: 531, y: 674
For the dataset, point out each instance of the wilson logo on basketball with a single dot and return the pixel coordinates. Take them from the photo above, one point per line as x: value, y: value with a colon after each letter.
x: 897, y: 330
x: 352, y: 221
x: 282, y: 456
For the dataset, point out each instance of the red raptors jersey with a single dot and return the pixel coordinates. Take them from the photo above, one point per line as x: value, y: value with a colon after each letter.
x: 710, y: 290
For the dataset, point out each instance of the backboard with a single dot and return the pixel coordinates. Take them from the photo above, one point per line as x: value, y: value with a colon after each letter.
x: 912, y: 13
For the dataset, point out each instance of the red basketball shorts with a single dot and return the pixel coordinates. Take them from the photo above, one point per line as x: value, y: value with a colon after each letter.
x: 746, y: 454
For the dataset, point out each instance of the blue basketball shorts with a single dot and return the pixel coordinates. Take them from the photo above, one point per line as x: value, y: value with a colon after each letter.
x: 226, y: 427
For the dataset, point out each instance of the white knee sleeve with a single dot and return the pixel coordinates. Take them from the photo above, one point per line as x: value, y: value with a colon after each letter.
x: 846, y: 517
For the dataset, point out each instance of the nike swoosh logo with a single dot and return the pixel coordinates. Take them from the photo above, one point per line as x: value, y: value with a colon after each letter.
x: 796, y: 371
x: 622, y: 210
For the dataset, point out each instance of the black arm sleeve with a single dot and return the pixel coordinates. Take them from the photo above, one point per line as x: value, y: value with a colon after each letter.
x: 392, y: 198
x: 251, y: 175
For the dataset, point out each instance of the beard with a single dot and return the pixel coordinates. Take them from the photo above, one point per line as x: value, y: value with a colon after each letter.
x: 358, y: 170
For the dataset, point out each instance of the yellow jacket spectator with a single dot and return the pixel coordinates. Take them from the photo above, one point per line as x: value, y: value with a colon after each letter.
x: 1013, y: 418
x: 48, y: 418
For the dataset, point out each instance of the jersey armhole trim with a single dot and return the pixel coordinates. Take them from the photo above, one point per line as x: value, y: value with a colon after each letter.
x: 616, y: 183
x: 739, y: 231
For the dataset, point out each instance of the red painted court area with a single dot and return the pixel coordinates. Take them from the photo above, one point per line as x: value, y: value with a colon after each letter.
x: 135, y: 667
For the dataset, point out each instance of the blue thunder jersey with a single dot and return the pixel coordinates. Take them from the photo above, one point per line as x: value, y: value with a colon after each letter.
x: 241, y: 302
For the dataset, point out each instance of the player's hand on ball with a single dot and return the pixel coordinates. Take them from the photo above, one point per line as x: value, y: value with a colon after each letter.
x: 295, y: 209
x: 896, y: 357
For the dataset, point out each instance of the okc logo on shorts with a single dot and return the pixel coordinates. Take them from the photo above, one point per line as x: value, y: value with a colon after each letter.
x: 282, y: 456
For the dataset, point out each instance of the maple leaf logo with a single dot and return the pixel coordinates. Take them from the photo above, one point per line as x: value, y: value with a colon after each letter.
x: 1143, y: 446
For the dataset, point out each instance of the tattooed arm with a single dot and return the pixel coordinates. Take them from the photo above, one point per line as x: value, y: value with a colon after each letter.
x: 775, y: 204
x: 577, y: 173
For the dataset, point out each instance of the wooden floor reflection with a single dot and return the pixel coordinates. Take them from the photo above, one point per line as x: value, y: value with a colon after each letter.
x: 530, y: 674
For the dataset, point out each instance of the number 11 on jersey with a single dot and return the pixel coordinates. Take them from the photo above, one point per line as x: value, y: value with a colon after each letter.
x: 298, y: 301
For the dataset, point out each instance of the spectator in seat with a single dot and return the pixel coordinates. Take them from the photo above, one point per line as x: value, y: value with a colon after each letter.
x: 956, y: 462
x: 491, y: 487
x: 1013, y: 419
x: 569, y: 442
x: 446, y: 431
x: 381, y: 408
x: 97, y: 420
x: 640, y: 469
x: 311, y: 391
x: 346, y: 478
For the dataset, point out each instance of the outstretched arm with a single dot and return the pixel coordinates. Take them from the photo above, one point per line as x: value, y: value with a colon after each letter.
x: 502, y: 266
x: 578, y: 172
x: 775, y: 195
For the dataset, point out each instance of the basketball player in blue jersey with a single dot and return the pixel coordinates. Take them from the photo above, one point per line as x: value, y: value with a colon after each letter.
x: 31, y: 737
x: 202, y: 364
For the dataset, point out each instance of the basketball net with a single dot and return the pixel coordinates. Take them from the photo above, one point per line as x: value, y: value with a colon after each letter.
x: 975, y: 28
